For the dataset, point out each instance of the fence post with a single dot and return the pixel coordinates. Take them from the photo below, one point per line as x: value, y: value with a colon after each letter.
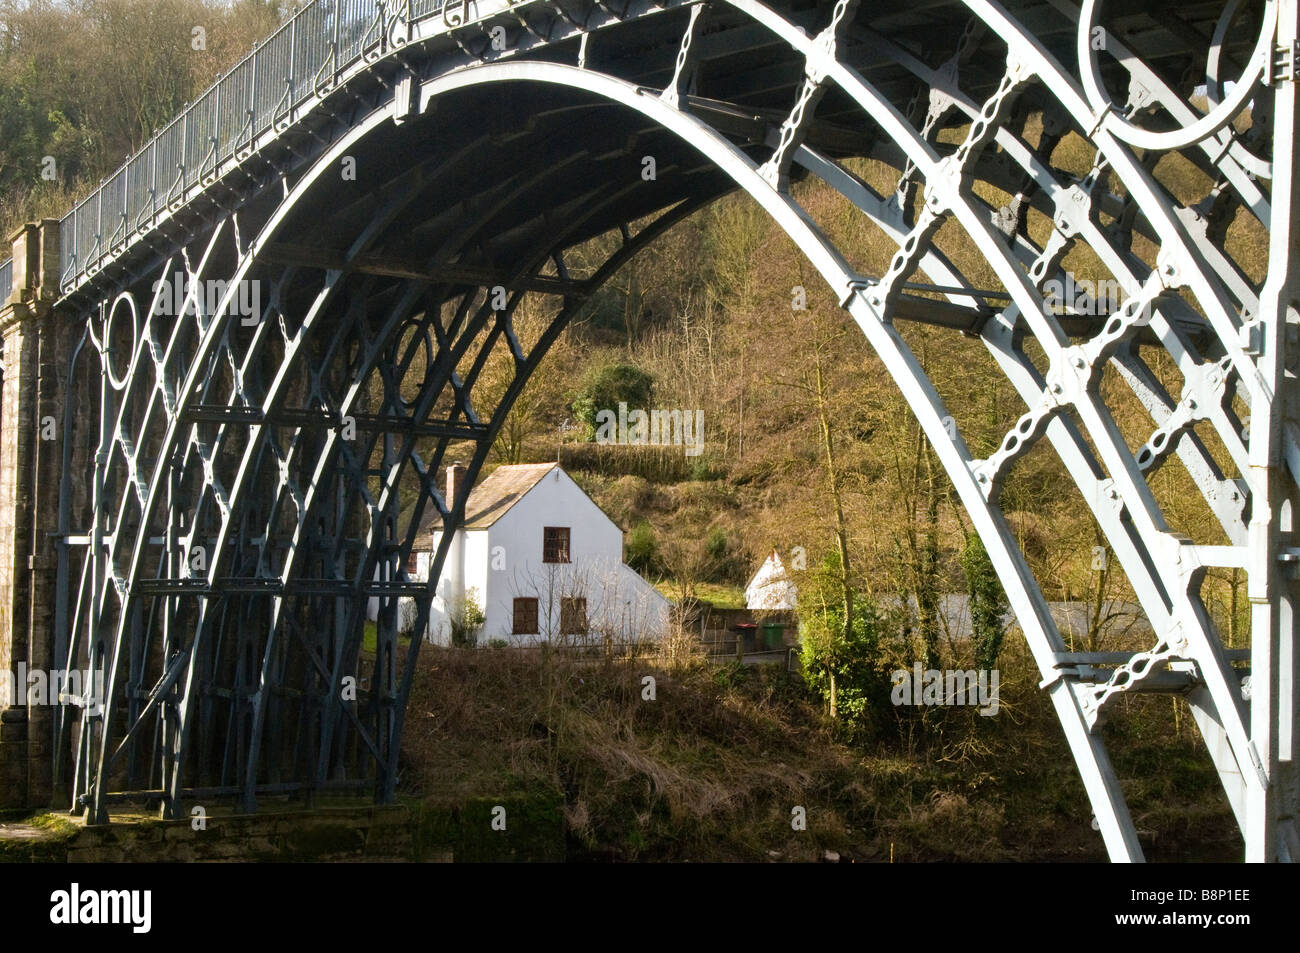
x: 99, y: 222
x: 185, y: 149
x: 293, y: 59
x: 252, y: 104
x: 216, y: 129
x: 334, y: 48
x: 153, y: 181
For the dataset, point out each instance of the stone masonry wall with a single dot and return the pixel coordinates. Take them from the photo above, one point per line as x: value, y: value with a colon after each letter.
x: 27, y: 328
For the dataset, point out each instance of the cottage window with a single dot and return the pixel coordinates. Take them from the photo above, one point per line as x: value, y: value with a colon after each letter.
x: 573, y: 616
x: 525, y: 617
x: 555, y: 544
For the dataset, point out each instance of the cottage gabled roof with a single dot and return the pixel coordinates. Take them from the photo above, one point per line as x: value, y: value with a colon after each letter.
x: 771, y: 587
x: 771, y: 566
x: 491, y: 499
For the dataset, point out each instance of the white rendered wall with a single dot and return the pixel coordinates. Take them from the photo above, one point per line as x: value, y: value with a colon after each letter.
x: 504, y: 561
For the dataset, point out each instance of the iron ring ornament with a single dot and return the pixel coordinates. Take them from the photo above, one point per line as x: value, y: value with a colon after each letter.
x: 1219, y: 115
x: 123, y: 303
x: 1214, y: 90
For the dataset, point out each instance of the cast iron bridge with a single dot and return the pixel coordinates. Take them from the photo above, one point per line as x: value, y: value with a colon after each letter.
x: 395, y: 178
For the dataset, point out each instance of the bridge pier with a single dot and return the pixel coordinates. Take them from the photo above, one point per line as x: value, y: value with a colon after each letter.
x: 29, y: 474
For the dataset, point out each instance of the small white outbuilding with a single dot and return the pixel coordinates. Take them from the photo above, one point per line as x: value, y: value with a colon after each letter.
x: 771, y: 589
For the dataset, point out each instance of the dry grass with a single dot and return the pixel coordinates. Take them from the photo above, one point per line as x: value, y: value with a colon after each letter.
x: 711, y: 769
x: 719, y: 768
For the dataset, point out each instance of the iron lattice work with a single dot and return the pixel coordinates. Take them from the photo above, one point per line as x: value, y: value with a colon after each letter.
x: 252, y: 472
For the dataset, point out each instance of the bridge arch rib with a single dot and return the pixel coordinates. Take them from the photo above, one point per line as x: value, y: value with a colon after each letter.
x: 268, y: 407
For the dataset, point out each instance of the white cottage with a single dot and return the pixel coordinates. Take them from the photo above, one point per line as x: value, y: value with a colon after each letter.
x: 541, y: 560
x: 771, y: 588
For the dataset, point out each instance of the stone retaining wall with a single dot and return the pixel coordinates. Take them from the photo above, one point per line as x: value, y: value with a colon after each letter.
x: 419, y: 832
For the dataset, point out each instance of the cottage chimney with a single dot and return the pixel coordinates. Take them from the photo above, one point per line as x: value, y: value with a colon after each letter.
x: 455, y: 483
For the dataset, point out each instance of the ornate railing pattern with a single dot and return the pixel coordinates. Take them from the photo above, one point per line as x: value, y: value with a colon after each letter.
x: 309, y: 54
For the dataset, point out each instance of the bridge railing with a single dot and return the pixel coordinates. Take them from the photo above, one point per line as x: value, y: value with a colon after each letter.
x: 323, y: 40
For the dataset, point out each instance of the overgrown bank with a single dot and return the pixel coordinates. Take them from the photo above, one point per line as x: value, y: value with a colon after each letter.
x: 715, y: 765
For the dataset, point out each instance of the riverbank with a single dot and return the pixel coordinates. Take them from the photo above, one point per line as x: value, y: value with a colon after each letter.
x: 738, y: 764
